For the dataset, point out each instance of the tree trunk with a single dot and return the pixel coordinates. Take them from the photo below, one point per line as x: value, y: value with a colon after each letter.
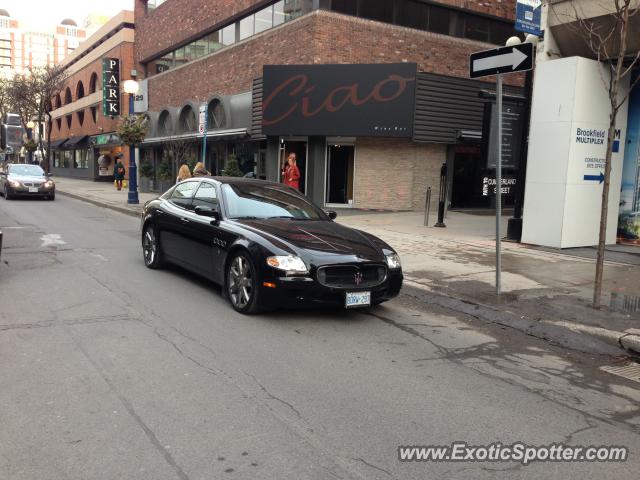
x: 604, y: 213
x: 49, y: 128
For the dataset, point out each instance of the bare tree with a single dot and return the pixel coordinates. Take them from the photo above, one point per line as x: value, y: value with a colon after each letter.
x: 5, y: 97
x: 31, y: 96
x: 179, y: 151
x: 607, y: 37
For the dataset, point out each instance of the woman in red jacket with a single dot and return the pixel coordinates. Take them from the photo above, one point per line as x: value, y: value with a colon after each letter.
x: 291, y: 173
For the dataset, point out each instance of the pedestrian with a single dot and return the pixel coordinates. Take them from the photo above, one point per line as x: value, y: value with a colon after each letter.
x: 200, y: 171
x: 183, y: 173
x: 291, y: 172
x: 118, y: 172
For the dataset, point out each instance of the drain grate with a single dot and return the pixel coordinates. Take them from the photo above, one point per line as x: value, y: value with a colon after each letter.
x: 630, y: 371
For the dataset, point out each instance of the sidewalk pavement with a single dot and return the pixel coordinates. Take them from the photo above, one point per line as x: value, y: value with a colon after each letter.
x: 546, y: 292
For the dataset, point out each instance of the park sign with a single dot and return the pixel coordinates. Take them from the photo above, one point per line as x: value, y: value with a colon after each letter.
x: 110, y: 87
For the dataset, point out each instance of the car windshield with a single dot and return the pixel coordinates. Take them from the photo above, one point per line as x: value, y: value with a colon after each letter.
x: 268, y: 201
x: 26, y: 170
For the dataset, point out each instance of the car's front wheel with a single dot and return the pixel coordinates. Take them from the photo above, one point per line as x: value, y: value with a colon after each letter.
x: 51, y: 196
x: 151, y: 247
x: 7, y: 195
x: 241, y: 284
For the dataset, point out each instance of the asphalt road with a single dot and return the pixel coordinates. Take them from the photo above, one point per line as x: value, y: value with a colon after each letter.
x: 112, y: 371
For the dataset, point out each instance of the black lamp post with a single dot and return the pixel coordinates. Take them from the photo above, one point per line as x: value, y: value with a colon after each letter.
x: 131, y: 88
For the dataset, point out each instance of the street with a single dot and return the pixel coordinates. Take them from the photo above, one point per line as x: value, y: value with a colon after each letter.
x: 109, y: 370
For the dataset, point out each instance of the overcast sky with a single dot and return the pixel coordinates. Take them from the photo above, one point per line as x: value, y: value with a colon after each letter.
x: 46, y: 14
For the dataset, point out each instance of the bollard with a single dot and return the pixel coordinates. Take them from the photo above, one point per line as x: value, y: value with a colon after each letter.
x: 442, y: 196
x: 427, y: 207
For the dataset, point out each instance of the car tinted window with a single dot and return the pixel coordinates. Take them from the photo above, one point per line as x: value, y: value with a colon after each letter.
x: 206, y: 196
x: 27, y: 170
x: 183, y: 194
x: 268, y: 201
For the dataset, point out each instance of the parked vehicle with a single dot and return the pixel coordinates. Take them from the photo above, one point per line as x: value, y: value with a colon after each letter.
x: 267, y: 245
x: 19, y: 179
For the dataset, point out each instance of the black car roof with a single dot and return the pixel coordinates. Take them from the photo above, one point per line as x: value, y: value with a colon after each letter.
x: 239, y: 180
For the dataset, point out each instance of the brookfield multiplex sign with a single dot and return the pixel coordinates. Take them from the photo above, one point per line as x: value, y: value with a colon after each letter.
x: 347, y: 100
x: 110, y: 87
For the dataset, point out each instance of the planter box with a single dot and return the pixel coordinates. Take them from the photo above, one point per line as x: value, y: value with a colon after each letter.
x: 145, y: 185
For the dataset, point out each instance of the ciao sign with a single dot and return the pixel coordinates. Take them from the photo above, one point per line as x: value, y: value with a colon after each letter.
x: 110, y: 87
x: 345, y: 100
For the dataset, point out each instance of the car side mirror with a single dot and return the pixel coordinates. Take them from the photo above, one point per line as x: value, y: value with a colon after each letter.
x: 332, y: 214
x: 207, y: 212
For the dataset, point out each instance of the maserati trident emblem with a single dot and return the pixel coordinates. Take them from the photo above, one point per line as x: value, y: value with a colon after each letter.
x: 358, y: 278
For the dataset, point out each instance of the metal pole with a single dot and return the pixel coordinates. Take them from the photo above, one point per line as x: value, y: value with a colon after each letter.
x: 204, y: 139
x: 499, y: 186
x: 427, y: 208
x: 133, y: 170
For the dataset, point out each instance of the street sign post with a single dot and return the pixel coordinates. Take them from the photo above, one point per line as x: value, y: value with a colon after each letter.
x: 529, y: 17
x: 498, y: 61
x: 202, y: 130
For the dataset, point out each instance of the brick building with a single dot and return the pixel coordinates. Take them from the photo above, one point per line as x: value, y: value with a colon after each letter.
x: 84, y: 138
x: 218, y: 58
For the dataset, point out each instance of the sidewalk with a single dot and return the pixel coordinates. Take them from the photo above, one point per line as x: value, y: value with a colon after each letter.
x: 546, y: 292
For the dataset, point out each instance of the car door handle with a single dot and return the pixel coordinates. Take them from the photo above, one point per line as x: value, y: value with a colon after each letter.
x: 184, y: 220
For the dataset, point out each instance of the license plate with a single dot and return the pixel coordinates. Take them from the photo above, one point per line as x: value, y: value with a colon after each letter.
x: 33, y: 189
x: 358, y: 299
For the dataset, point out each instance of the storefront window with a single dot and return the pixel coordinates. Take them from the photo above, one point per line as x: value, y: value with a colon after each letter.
x: 81, y: 159
x: 57, y: 159
x: 62, y: 158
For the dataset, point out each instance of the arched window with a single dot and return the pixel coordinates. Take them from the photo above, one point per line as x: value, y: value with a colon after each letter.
x: 94, y: 114
x: 59, y: 123
x: 79, y: 90
x: 216, y: 118
x: 57, y: 102
x: 80, y: 114
x: 69, y: 118
x: 93, y: 83
x: 164, y: 124
x: 67, y: 96
x: 187, y: 121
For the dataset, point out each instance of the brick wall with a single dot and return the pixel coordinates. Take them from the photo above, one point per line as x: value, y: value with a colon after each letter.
x: 393, y: 174
x: 315, y: 38
x: 498, y: 8
x: 125, y: 53
x: 177, y: 20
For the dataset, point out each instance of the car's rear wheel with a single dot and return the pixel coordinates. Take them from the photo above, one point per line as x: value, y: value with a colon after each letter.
x: 241, y: 284
x: 151, y: 247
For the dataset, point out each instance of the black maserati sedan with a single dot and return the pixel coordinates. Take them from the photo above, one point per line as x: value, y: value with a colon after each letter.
x: 20, y: 179
x: 267, y: 245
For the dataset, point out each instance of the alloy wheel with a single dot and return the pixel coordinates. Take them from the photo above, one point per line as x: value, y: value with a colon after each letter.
x: 240, y: 282
x: 149, y: 246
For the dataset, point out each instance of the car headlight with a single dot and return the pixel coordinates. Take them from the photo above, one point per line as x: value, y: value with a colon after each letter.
x: 14, y: 184
x: 393, y: 261
x: 288, y: 263
x: 48, y: 184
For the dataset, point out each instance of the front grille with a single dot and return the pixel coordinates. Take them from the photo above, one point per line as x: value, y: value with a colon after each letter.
x: 352, y: 276
x: 32, y: 184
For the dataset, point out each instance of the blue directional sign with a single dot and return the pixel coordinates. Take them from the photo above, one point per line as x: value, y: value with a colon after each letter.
x: 595, y: 178
x: 529, y: 16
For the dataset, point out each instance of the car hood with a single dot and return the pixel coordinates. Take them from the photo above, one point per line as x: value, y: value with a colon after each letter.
x: 318, y: 238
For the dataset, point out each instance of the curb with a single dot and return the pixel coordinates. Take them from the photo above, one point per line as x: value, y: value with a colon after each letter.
x: 98, y: 203
x: 571, y: 335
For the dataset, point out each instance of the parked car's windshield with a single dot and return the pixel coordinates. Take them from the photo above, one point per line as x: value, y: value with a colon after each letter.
x: 26, y: 170
x: 252, y: 200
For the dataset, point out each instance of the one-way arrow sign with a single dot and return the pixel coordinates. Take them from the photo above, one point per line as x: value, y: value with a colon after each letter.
x: 595, y: 178
x: 517, y: 58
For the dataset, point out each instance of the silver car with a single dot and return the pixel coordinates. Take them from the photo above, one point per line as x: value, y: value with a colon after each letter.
x: 19, y: 179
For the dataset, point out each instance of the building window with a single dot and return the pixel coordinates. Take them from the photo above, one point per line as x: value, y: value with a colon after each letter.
x: 59, y: 123
x: 216, y: 116
x: 81, y: 158
x: 381, y: 11
x: 4, y: 23
x: 93, y: 83
x: 348, y: 7
x: 67, y: 96
x: 62, y: 158
x: 476, y: 28
x: 229, y: 35
x: 80, y: 117
x: 187, y: 120
x: 94, y: 114
x: 69, y: 119
x: 164, y: 124
x: 80, y: 90
x: 246, y: 27
x: 264, y: 19
x: 439, y: 20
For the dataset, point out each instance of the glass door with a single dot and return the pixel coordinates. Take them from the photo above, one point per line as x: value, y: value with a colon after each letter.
x: 340, y: 169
